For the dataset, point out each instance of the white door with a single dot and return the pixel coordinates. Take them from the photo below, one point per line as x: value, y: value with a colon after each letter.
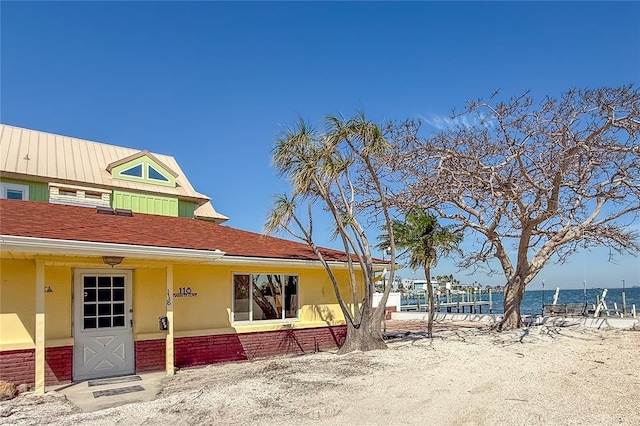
x: 103, y: 338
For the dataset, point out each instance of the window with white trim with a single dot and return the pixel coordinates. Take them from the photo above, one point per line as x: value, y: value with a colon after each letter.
x: 14, y: 191
x: 263, y: 297
x: 154, y: 174
x: 135, y: 171
x: 144, y: 171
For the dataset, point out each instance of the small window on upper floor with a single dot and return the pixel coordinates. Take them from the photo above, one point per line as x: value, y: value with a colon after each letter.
x: 143, y: 167
x: 135, y: 171
x: 153, y: 174
x: 14, y: 191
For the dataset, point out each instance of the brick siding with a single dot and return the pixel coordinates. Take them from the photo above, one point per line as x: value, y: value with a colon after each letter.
x: 203, y: 350
x: 150, y: 355
x: 18, y: 366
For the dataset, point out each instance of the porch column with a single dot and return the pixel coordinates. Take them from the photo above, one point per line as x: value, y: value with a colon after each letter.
x: 169, y: 345
x: 40, y: 323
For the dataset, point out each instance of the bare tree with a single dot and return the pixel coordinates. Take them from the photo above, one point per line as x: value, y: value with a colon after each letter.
x: 335, y: 170
x: 531, y: 180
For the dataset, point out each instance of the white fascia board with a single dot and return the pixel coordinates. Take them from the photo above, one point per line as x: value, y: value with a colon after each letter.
x: 48, y: 246
x: 297, y: 263
x: 88, y: 248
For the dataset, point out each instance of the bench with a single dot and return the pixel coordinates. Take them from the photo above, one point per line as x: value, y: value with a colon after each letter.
x: 566, y: 310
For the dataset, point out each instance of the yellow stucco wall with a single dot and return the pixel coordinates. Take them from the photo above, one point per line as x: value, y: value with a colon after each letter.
x: 57, y: 305
x: 213, y: 303
x: 213, y: 288
x: 207, y: 313
x: 17, y: 305
x: 149, y: 295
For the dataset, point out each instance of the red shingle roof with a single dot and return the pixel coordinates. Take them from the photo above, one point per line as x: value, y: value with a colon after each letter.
x: 65, y: 222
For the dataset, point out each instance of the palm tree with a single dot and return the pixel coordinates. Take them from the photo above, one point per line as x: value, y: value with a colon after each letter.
x: 423, y: 240
x: 336, y: 170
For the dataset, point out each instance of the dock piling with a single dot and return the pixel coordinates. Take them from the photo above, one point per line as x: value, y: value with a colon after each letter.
x: 490, y: 303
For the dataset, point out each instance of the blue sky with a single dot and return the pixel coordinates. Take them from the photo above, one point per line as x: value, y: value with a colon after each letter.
x: 212, y: 83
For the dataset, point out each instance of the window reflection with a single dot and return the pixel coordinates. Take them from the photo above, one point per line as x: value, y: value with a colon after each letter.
x: 259, y: 297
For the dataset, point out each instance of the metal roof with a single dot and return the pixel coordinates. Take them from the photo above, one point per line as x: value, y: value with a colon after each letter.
x: 39, y: 156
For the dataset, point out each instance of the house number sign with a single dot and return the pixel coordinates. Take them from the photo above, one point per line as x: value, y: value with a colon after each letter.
x: 185, y: 292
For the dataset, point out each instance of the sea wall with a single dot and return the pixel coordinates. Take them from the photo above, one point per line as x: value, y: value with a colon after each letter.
x: 600, y: 323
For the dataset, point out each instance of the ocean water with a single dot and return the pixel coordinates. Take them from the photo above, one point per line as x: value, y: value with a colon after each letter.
x: 533, y: 300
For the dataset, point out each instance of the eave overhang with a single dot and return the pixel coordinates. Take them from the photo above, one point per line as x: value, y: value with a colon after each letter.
x: 48, y: 246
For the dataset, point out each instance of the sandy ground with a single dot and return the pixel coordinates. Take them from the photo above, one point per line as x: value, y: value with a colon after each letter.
x: 466, y: 375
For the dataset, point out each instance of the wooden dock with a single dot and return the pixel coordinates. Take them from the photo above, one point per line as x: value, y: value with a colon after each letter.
x: 473, y: 307
x: 459, y: 302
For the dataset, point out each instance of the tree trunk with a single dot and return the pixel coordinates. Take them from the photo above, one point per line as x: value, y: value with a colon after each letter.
x: 432, y: 305
x: 513, y: 293
x: 365, y: 336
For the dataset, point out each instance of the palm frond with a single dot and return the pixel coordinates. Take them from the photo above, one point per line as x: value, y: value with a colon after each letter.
x: 280, y: 215
x: 422, y: 239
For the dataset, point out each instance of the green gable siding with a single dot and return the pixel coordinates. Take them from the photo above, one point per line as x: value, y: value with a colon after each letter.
x: 145, y: 203
x: 38, y: 191
x: 144, y: 162
x: 186, y: 208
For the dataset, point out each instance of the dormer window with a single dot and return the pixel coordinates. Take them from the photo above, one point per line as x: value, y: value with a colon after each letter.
x: 143, y: 167
x: 135, y: 171
x: 154, y: 174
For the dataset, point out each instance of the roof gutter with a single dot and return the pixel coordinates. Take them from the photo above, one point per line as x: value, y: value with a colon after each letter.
x: 298, y: 263
x: 50, y: 246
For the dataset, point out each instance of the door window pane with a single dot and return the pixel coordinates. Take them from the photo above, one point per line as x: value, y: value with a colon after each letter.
x: 104, y: 309
x: 118, y: 308
x: 104, y: 322
x: 118, y: 294
x: 104, y: 302
x: 90, y: 310
x: 104, y: 295
x: 90, y: 295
